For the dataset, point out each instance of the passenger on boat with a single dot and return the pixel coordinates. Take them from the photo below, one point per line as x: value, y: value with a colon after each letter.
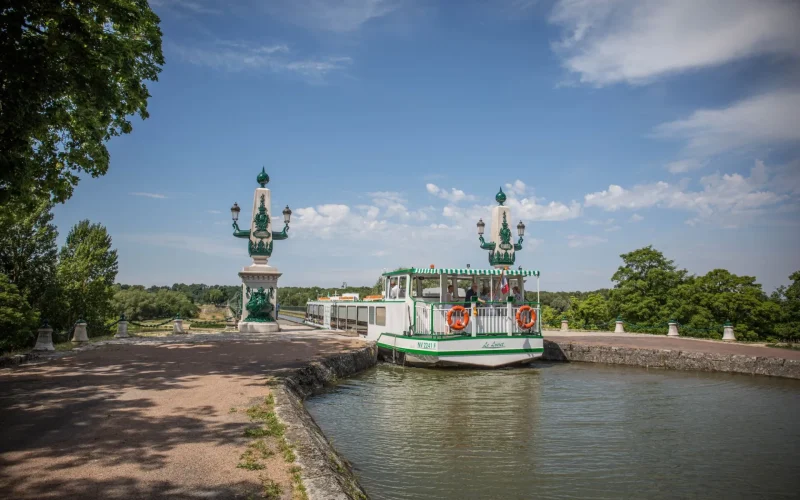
x: 472, y: 292
x: 394, y: 292
x: 449, y: 297
x: 518, y: 299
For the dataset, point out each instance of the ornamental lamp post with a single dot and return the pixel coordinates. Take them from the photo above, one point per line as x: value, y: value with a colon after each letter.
x: 502, y: 251
x: 260, y: 280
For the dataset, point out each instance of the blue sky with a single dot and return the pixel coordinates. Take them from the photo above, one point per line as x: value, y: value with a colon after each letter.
x: 388, y: 127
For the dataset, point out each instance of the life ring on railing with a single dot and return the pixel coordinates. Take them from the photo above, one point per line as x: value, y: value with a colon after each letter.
x: 520, y: 321
x: 458, y: 324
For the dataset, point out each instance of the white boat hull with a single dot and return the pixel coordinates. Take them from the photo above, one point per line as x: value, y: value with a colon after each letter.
x: 483, y: 352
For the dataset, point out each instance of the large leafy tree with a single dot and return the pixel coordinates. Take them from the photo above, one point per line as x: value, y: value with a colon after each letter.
x: 17, y: 319
x: 28, y: 251
x: 788, y: 299
x: 643, y: 285
x: 73, y: 71
x: 87, y: 269
x: 593, y: 310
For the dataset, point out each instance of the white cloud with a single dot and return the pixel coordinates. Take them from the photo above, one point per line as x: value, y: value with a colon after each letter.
x: 613, y: 228
x: 595, y: 222
x: 577, y: 241
x: 185, y: 6
x: 636, y: 41
x: 517, y: 188
x: 453, y: 196
x: 339, y: 16
x: 764, y: 119
x: 215, y: 212
x: 149, y: 195
x: 724, y: 198
x: 682, y: 166
x: 636, y: 218
x: 242, y: 56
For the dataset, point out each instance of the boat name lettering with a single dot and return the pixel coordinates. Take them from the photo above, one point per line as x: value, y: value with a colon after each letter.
x: 426, y: 345
x: 493, y: 345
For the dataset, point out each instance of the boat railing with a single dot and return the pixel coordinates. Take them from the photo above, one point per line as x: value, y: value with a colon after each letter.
x: 486, y: 318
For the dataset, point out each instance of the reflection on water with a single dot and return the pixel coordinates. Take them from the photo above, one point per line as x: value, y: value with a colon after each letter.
x: 565, y: 431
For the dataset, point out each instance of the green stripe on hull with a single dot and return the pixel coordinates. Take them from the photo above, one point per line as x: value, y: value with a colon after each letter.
x: 435, y: 338
x: 488, y: 352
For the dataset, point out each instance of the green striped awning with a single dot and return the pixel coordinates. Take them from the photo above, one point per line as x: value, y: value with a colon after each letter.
x: 470, y: 272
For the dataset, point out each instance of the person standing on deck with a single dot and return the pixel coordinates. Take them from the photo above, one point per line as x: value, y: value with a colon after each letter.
x: 394, y: 292
x: 449, y: 297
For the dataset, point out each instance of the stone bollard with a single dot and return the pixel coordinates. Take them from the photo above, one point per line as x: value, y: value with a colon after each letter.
x: 564, y: 325
x: 673, y: 329
x: 727, y: 332
x: 619, y: 328
x: 230, y: 323
x: 80, y: 336
x: 122, y: 328
x: 178, y: 326
x: 44, y: 342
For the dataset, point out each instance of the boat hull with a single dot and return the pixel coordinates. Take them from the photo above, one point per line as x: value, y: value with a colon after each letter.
x: 477, y: 352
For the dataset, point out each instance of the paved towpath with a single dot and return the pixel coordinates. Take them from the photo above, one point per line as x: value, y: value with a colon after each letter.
x: 144, y: 418
x: 643, y: 341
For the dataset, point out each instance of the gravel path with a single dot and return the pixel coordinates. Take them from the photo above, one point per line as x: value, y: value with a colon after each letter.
x: 154, y: 418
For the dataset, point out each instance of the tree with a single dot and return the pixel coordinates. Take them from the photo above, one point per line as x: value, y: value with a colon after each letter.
x: 643, y: 286
x: 215, y: 296
x: 73, y: 72
x: 591, y: 311
x: 28, y: 251
x: 17, y: 319
x: 87, y: 269
x: 788, y: 301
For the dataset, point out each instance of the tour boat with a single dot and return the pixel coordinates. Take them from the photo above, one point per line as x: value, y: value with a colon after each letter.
x: 419, y: 326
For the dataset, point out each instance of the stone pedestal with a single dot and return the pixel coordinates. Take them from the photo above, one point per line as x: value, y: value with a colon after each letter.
x: 564, y: 325
x: 80, y: 336
x: 257, y: 276
x: 177, y: 327
x: 673, y: 329
x: 727, y: 333
x: 44, y: 342
x: 619, y: 328
x: 122, y: 330
x: 230, y: 323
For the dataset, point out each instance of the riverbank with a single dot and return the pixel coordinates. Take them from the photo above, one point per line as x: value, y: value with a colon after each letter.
x: 173, y: 418
x: 681, y: 353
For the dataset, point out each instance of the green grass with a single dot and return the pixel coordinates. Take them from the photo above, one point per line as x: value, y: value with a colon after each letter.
x: 298, y: 488
x: 272, y: 490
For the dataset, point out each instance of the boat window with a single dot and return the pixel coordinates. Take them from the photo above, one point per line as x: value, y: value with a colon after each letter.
x: 398, y: 287
x: 362, y: 319
x: 371, y: 315
x: 342, y: 318
x: 380, y: 316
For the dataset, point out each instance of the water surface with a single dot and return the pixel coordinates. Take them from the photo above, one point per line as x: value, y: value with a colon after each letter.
x: 565, y: 430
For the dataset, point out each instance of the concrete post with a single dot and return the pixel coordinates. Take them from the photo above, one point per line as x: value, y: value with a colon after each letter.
x: 564, y: 325
x: 44, y: 342
x: 122, y: 329
x: 619, y: 328
x: 727, y: 332
x: 474, y: 313
x: 80, y: 336
x: 230, y: 323
x: 178, y: 325
x: 673, y: 329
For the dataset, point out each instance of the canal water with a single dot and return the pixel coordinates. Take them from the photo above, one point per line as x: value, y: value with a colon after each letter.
x: 565, y: 430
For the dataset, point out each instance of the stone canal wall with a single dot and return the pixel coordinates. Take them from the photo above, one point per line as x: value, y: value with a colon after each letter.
x: 326, y: 475
x: 674, y: 359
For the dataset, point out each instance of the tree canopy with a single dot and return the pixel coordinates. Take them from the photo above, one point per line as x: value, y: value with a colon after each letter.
x: 72, y: 74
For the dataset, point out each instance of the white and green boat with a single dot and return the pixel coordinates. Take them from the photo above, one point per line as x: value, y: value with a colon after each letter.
x: 423, y: 328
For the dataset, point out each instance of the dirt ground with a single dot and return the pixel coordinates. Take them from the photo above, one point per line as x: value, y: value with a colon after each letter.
x: 160, y: 420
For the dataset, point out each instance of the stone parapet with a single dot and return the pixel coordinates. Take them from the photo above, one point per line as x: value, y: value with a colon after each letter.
x: 326, y: 475
x: 673, y: 359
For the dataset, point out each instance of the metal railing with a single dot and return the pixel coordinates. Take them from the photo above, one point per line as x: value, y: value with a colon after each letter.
x: 488, y: 318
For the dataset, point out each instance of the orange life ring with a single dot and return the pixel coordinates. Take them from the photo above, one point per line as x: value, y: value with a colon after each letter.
x: 526, y: 326
x: 457, y: 325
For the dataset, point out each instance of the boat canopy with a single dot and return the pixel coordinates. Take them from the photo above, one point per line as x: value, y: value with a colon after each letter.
x: 463, y: 272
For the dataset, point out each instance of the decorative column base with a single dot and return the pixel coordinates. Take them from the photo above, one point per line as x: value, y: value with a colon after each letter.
x: 254, y: 277
x: 619, y: 328
x: 122, y: 330
x: 80, y: 336
x: 564, y: 325
x: 727, y: 333
x: 177, y: 327
x: 673, y: 329
x: 44, y: 342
